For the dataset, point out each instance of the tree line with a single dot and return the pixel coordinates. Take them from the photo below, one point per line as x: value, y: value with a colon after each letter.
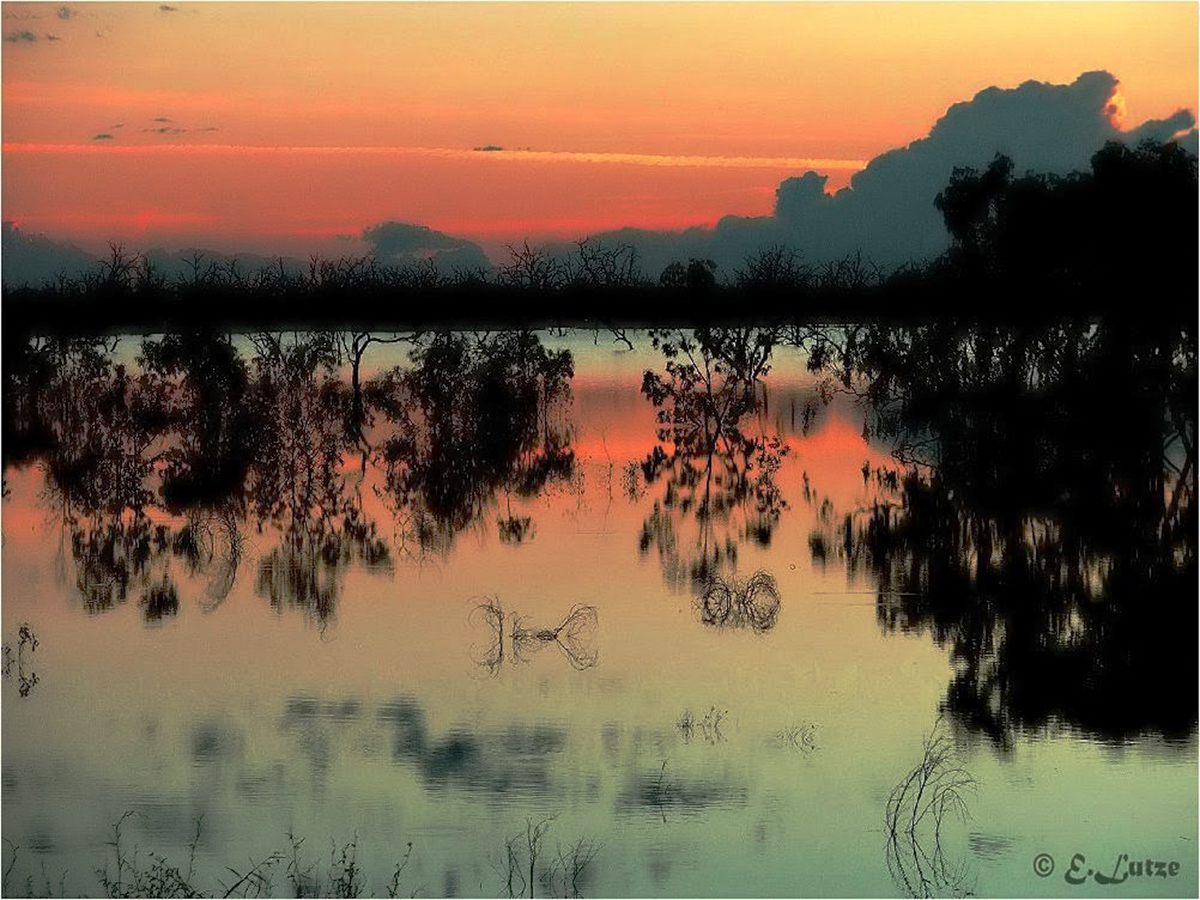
x: 1118, y: 240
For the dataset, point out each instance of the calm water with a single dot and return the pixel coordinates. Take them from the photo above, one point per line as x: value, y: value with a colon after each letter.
x: 479, y: 630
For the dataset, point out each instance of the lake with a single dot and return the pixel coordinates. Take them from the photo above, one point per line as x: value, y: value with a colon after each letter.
x: 686, y: 633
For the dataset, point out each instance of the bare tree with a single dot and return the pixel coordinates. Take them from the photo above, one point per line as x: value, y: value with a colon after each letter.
x: 532, y: 269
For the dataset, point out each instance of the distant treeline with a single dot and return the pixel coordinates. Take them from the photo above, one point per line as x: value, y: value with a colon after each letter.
x: 1119, y: 240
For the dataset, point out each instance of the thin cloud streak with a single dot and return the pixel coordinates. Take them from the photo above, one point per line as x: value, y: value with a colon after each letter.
x: 637, y: 159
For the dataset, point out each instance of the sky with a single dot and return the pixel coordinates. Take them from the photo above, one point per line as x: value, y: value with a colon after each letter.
x: 292, y: 127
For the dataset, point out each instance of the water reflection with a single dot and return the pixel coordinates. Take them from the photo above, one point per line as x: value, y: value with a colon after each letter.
x: 517, y: 760
x: 19, y: 661
x: 473, y: 417
x: 304, y: 571
x: 1045, y: 529
x: 708, y: 727
x: 920, y: 868
x: 198, y: 387
x: 662, y: 791
x: 160, y: 602
x: 211, y: 544
x: 114, y: 554
x: 734, y: 604
x: 937, y: 790
x: 574, y: 636
x: 716, y: 475
x: 203, y: 434
x: 1039, y: 522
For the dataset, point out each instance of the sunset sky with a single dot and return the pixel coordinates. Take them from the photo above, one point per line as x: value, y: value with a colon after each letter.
x: 278, y: 127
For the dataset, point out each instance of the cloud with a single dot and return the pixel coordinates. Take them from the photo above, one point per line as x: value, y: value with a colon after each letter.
x: 168, y: 125
x: 1175, y: 125
x: 400, y: 243
x: 103, y: 137
x: 1191, y: 142
x: 887, y: 211
x: 20, y: 37
x: 34, y: 258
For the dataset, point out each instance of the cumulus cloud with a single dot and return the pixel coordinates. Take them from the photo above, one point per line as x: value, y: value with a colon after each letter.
x: 400, y: 243
x: 1191, y: 142
x: 887, y: 211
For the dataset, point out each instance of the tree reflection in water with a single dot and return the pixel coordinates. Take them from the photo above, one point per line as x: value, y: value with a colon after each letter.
x: 299, y: 479
x: 1044, y: 528
x: 476, y: 415
x: 1041, y: 525
x: 180, y: 459
x: 715, y: 474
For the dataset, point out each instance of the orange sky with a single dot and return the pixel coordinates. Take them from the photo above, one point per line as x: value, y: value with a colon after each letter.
x: 658, y: 115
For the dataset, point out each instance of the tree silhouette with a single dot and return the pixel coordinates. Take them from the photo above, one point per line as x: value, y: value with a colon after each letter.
x: 1090, y: 241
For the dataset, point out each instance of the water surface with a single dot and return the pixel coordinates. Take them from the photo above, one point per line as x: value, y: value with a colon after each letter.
x: 506, y: 590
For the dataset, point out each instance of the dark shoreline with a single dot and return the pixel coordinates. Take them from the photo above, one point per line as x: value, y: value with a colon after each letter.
x: 28, y: 312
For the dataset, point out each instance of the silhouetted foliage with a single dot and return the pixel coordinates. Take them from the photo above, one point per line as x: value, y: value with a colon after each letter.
x: 1026, y: 246
x: 776, y: 268
x: 698, y: 277
x: 532, y: 270
x: 936, y: 790
x: 1090, y: 242
x: 1038, y: 383
x: 607, y: 268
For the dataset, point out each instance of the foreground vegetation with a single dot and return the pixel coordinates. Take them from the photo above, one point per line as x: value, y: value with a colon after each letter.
x: 525, y: 867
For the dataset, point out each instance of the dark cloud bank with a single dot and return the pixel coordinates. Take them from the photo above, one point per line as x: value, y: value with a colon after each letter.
x: 397, y: 243
x: 886, y: 214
